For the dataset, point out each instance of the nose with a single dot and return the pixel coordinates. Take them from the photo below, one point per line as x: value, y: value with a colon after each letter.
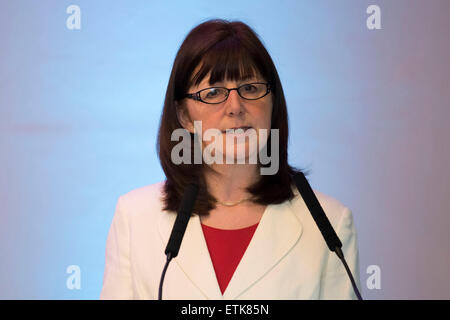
x: 234, y: 103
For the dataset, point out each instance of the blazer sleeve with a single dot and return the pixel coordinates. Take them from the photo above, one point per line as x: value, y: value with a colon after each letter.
x: 117, y: 279
x: 335, y: 283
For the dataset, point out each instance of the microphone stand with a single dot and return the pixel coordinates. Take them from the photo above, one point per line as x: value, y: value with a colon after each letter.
x: 179, y: 227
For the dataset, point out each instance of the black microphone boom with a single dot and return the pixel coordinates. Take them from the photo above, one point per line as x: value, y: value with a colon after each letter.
x: 317, y: 212
x: 179, y: 228
x: 184, y: 213
x: 325, y: 227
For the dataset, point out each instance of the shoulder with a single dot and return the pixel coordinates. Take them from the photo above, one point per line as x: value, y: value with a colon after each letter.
x: 143, y: 200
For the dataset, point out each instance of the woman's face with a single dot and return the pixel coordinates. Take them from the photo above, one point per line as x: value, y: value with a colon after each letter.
x: 234, y: 112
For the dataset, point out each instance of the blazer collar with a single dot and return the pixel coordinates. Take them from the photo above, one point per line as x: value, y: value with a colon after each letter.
x: 277, y: 232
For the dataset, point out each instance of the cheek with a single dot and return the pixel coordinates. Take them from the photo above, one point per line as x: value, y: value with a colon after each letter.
x: 266, y: 117
x: 200, y: 116
x: 206, y: 121
x: 193, y: 112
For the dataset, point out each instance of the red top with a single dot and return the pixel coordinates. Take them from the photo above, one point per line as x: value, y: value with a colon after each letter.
x: 226, y: 248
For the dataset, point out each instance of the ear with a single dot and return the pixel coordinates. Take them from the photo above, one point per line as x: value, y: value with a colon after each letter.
x: 184, y: 118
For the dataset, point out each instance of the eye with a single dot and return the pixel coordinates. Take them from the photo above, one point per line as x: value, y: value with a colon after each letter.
x: 249, y: 88
x: 211, y: 93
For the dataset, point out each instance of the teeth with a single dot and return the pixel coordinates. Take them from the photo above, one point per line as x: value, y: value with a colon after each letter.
x: 245, y: 128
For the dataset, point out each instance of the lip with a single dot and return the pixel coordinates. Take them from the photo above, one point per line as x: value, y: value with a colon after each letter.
x: 241, y: 127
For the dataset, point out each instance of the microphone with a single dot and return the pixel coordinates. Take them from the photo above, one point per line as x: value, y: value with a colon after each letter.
x: 179, y: 228
x: 325, y: 227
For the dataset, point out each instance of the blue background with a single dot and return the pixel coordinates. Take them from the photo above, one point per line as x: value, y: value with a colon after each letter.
x: 79, y: 112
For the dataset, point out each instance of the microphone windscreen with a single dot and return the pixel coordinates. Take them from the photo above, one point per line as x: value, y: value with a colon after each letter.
x: 319, y: 216
x: 183, y: 216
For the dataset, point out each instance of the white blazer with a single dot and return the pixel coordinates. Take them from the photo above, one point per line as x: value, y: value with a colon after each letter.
x: 287, y: 258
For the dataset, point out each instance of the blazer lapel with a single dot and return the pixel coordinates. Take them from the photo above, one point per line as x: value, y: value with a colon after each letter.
x: 193, y: 257
x: 278, y: 231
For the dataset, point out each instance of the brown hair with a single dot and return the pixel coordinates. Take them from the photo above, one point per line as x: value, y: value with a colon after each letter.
x: 232, y: 50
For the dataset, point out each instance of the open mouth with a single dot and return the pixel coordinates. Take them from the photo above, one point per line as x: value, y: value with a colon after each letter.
x: 231, y: 130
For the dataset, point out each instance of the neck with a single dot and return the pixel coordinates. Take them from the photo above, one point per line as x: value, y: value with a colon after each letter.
x: 228, y: 181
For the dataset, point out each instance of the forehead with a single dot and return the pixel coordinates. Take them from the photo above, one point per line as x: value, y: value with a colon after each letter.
x: 206, y: 81
x: 215, y: 69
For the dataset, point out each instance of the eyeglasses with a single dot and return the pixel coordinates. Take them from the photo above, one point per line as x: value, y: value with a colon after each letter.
x: 214, y: 95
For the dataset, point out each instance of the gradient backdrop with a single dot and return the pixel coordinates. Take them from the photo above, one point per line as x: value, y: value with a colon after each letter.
x: 79, y: 111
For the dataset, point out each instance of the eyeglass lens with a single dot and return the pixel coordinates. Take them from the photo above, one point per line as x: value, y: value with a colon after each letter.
x: 248, y: 91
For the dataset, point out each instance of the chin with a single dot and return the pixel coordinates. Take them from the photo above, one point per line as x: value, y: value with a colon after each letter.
x: 242, y: 154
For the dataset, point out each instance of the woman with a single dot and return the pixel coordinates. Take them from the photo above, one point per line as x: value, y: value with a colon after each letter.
x: 251, y: 235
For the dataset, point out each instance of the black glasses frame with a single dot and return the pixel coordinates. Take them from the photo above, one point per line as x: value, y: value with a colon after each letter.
x: 196, y: 95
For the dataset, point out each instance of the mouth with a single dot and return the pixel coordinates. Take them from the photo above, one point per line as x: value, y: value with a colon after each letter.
x: 244, y: 128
